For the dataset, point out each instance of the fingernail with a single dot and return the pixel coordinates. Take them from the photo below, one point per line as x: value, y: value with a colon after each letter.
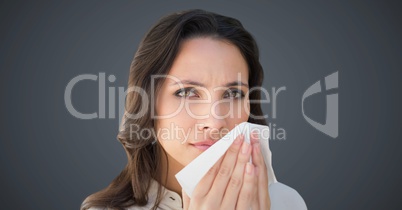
x: 245, y: 147
x: 254, y: 134
x: 239, y: 139
x: 249, y: 168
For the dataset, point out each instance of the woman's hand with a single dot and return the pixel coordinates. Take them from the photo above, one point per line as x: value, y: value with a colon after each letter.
x: 233, y: 182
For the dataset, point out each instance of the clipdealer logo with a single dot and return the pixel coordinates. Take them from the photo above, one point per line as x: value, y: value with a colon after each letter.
x: 330, y: 127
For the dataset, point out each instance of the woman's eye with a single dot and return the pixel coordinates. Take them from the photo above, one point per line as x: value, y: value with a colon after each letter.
x: 234, y: 94
x: 186, y: 92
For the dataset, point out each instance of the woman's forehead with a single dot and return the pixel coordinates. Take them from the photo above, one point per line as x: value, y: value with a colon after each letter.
x: 209, y: 61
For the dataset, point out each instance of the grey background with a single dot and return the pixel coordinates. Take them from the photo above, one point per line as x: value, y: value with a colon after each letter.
x: 52, y: 160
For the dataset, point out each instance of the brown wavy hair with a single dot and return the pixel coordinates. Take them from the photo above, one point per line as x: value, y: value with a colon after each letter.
x: 155, y: 56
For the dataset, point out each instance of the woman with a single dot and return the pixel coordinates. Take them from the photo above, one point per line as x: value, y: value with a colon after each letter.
x: 190, y: 83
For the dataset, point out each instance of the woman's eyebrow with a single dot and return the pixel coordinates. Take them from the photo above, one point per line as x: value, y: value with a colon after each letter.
x: 236, y: 83
x: 188, y: 82
x: 195, y: 83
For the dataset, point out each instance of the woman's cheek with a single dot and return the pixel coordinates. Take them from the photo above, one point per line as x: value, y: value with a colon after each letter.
x: 240, y: 110
x: 172, y: 107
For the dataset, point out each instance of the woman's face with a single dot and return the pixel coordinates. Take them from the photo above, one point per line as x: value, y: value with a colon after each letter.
x: 204, y: 96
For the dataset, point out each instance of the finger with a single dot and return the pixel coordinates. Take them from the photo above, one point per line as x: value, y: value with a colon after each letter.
x: 225, y: 171
x: 205, y: 183
x: 247, y: 189
x: 257, y: 157
x: 261, y: 172
x: 236, y: 180
x: 186, y: 200
x: 255, y: 204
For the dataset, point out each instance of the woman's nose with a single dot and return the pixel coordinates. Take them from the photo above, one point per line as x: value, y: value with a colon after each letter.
x: 215, y: 118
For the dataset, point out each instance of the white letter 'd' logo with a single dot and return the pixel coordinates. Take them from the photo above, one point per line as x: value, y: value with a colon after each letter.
x: 331, y: 123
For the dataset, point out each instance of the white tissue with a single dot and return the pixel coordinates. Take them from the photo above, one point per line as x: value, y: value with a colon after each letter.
x: 190, y: 175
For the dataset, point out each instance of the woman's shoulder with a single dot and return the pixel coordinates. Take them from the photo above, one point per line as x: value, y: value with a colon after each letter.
x: 284, y: 197
x: 129, y: 208
x: 169, y: 200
